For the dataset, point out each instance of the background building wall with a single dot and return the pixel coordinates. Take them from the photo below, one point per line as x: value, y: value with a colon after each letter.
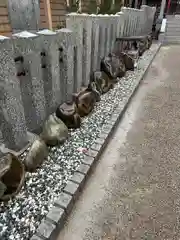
x: 5, y: 26
x: 58, y: 11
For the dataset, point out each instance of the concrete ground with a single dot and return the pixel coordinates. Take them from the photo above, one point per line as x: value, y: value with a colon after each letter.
x: 134, y: 191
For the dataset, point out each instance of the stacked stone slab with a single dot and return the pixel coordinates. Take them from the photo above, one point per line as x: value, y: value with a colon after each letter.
x: 41, y: 70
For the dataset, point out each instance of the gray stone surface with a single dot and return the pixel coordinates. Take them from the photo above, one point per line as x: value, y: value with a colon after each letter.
x: 12, y: 119
x: 85, y: 22
x: 36, y: 238
x: 95, y: 43
x: 78, y: 178
x: 92, y: 153
x: 74, y: 24
x: 50, y: 69
x: 64, y: 200
x: 88, y: 160
x: 96, y: 146
x: 66, y: 42
x: 24, y: 15
x: 102, y: 36
x: 71, y: 188
x: 45, y: 229
x: 27, y: 46
x: 56, y: 214
x: 126, y: 22
x: 107, y: 128
x: 84, y: 169
x: 134, y: 191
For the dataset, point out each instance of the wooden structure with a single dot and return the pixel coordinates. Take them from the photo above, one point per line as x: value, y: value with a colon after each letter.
x: 52, y: 13
x: 5, y: 26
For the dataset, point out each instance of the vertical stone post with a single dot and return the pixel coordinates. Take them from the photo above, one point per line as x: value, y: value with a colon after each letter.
x: 145, y: 20
x: 86, y: 23
x: 126, y: 22
x: 120, y: 23
x: 73, y: 23
x: 27, y: 54
x: 95, y: 42
x: 12, y: 119
x: 140, y: 17
x: 114, y: 21
x: 108, y: 20
x: 50, y: 69
x: 65, y: 40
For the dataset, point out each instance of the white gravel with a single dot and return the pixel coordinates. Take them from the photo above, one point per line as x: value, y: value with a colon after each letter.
x: 20, y: 217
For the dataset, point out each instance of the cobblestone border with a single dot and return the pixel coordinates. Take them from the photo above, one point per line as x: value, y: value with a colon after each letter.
x: 55, y: 219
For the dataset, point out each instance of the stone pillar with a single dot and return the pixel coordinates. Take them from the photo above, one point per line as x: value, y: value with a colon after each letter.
x: 95, y: 44
x: 86, y: 23
x: 143, y: 20
x: 114, y: 22
x: 12, y: 119
x: 65, y: 40
x: 126, y: 22
x: 27, y: 52
x: 102, y: 35
x: 120, y: 23
x: 50, y: 69
x: 109, y: 21
x: 140, y: 21
x: 74, y: 24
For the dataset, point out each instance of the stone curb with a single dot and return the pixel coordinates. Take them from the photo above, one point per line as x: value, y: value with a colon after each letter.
x: 56, y: 217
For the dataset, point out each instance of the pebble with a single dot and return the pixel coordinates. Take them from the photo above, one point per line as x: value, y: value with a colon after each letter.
x: 20, y: 217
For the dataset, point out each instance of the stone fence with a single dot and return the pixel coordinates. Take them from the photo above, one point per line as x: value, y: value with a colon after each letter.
x: 38, y: 71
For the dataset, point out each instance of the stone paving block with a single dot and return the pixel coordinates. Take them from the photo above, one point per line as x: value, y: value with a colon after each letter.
x: 84, y: 169
x: 99, y: 141
x: 107, y: 128
x: 78, y: 178
x: 64, y: 200
x: 114, y: 118
x: 56, y: 214
x: 92, y: 153
x: 103, y: 135
x: 71, y: 188
x: 36, y: 238
x: 96, y: 146
x: 46, y: 228
x: 88, y: 160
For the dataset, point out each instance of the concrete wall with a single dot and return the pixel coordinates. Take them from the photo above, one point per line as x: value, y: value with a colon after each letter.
x: 40, y: 71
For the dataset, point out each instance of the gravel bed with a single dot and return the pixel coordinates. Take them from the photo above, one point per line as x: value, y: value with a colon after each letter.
x: 20, y: 217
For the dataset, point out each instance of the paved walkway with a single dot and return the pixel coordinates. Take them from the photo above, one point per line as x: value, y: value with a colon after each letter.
x: 134, y: 191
